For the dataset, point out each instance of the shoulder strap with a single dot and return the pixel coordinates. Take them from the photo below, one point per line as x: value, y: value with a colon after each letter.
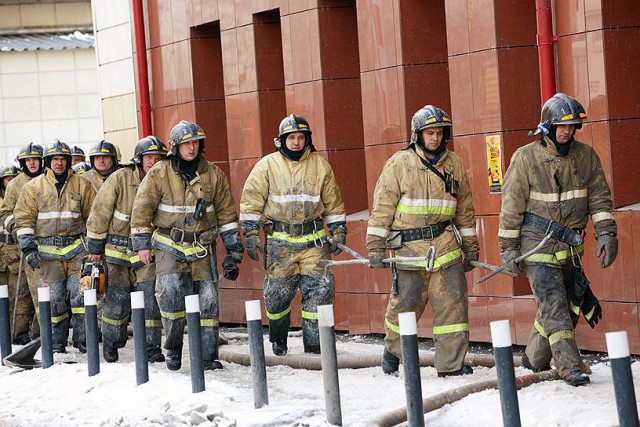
x: 429, y: 166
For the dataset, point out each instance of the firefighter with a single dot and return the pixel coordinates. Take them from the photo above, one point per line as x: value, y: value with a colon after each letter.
x: 30, y: 160
x: 293, y: 192
x: 108, y: 230
x: 422, y: 206
x: 77, y: 155
x: 80, y: 168
x: 50, y: 218
x: 181, y: 206
x: 103, y: 158
x: 552, y: 186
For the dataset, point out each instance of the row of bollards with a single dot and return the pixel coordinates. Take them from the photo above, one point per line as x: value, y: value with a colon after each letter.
x: 617, y: 346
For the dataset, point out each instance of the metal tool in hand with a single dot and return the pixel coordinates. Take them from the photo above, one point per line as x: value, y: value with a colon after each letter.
x: 490, y: 267
x: 345, y: 248
x: 517, y: 260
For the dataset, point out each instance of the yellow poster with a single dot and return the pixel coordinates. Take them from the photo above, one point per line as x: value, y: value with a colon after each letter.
x: 494, y: 163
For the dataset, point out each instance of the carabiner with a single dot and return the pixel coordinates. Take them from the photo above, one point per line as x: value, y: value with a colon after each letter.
x: 197, y: 245
x: 430, y: 259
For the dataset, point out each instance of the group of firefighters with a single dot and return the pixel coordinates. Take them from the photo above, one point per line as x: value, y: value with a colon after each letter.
x: 154, y: 223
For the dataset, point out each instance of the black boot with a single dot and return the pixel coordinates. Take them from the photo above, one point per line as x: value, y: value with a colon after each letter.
x: 527, y: 364
x: 577, y: 378
x: 390, y: 363
x: 81, y: 346
x: 279, y: 348
x: 22, y: 339
x: 315, y: 349
x: 155, y: 355
x: 211, y: 365
x: 109, y: 352
x: 174, y: 359
x: 465, y: 370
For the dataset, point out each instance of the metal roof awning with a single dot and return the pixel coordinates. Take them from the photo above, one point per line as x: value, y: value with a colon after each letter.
x: 46, y: 41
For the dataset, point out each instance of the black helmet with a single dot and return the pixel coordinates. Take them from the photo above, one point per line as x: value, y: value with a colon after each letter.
x: 148, y: 145
x: 186, y: 131
x: 430, y: 116
x: 30, y: 151
x: 290, y: 124
x: 560, y: 109
x: 80, y: 168
x: 103, y: 148
x: 57, y: 148
x: 77, y: 152
x: 9, y: 171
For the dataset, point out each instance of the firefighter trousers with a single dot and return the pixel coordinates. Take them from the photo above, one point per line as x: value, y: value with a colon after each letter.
x: 25, y: 305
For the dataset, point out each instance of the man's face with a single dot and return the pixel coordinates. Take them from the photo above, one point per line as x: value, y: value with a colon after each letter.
x: 148, y: 160
x: 33, y: 164
x: 432, y: 137
x: 103, y: 164
x: 76, y: 159
x: 564, y: 133
x: 6, y: 181
x: 58, y: 164
x: 296, y: 141
x: 189, y: 150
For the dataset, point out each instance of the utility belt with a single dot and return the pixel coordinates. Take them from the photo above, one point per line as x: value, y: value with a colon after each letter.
x: 116, y: 240
x: 180, y: 236
x: 295, y: 229
x: 572, y: 237
x: 59, y: 241
x: 426, y: 232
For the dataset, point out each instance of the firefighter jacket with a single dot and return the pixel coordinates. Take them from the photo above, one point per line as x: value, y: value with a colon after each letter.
x: 108, y: 227
x: 95, y: 178
x: 564, y: 189
x: 10, y: 256
x: 409, y: 196
x: 53, y: 223
x: 293, y: 193
x: 188, y: 214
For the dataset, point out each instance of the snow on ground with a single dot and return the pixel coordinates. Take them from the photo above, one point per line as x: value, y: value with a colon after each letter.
x: 64, y: 395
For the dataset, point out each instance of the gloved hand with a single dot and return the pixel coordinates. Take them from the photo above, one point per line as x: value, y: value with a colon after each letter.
x: 507, y: 257
x: 609, y: 245
x: 375, y: 259
x: 338, y: 236
x: 591, y: 309
x: 253, y: 245
x: 468, y: 257
x: 580, y: 288
x: 230, y: 269
x: 33, y: 258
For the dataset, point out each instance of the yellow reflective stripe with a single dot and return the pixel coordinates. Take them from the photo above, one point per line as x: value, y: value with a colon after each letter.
x: 116, y: 254
x: 310, y: 315
x: 188, y: 251
x: 392, y: 327
x: 560, y: 335
x: 297, y: 239
x: 58, y: 319
x: 567, y: 117
x: 212, y: 323
x: 77, y: 310
x: 575, y: 309
x: 543, y: 258
x: 277, y: 316
x: 153, y: 323
x: 54, y: 250
x: 539, y: 328
x: 115, y: 322
x: 589, y: 314
x: 449, y: 329
x: 426, y: 206
x: 173, y: 315
x: 562, y: 255
x: 438, y: 262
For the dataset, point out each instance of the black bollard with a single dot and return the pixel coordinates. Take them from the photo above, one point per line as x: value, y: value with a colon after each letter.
x: 501, y: 337
x: 139, y: 337
x: 256, y: 353
x: 618, y: 348
x: 46, y: 331
x: 411, y: 364
x: 192, y: 304
x: 329, y: 364
x: 5, y: 328
x: 91, y: 326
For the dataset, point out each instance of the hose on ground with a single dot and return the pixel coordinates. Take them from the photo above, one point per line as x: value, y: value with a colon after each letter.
x: 437, y: 401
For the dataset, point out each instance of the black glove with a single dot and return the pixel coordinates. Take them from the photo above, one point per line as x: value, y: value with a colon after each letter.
x: 338, y: 236
x: 507, y: 257
x: 591, y: 308
x: 468, y: 257
x: 33, y: 258
x: 230, y: 269
x: 375, y: 259
x: 253, y: 246
x: 580, y: 287
x: 609, y: 245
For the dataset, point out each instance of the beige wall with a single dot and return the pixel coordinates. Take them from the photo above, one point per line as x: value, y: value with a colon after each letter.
x: 25, y: 16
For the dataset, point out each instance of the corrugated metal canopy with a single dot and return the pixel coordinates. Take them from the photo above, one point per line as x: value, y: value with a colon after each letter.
x: 46, y: 41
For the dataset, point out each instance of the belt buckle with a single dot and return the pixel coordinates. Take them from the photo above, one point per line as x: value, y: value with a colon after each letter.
x: 296, y: 229
x: 174, y: 232
x: 430, y: 233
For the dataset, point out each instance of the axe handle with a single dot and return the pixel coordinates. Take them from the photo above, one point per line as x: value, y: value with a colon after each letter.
x: 346, y: 248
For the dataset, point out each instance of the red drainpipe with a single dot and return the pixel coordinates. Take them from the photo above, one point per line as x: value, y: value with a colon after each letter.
x: 546, y: 57
x: 143, y: 75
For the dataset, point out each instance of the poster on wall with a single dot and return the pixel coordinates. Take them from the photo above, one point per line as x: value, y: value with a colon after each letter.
x: 494, y: 163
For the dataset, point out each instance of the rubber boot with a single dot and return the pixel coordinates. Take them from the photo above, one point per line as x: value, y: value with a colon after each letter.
x: 81, y: 346
x: 577, y: 378
x: 109, y: 352
x: 174, y: 359
x: 279, y: 348
x: 390, y: 363
x: 527, y: 364
x: 211, y: 365
x: 465, y: 370
x: 155, y: 355
x: 312, y: 349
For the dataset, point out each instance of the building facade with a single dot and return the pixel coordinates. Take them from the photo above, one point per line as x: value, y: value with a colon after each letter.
x: 358, y: 70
